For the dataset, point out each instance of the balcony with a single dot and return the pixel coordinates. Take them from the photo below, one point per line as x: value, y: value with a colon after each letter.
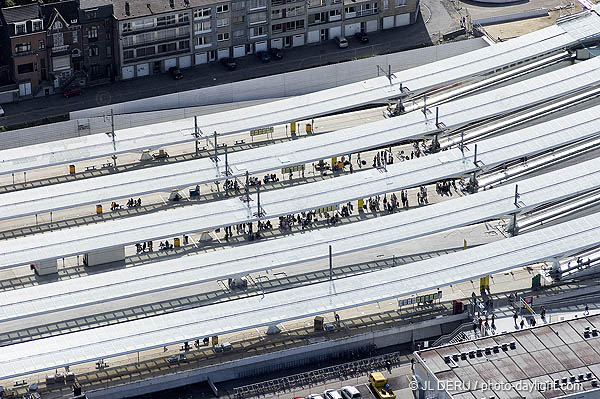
x: 183, y: 34
x: 60, y: 50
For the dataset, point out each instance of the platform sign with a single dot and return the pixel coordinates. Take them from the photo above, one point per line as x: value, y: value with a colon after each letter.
x: 291, y: 169
x: 262, y: 130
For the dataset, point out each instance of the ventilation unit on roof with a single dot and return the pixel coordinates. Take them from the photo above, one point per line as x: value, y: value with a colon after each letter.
x: 127, y: 8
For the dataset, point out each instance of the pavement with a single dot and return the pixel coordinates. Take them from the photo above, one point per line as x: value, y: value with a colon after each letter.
x: 435, y: 21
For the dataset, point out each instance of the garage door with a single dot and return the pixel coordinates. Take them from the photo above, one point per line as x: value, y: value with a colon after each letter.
x: 24, y: 89
x: 168, y: 63
x: 239, y: 51
x: 372, y: 25
x: 223, y: 53
x: 403, y: 19
x: 277, y: 43
x: 351, y: 29
x: 127, y: 72
x: 260, y: 46
x: 61, y: 63
x: 336, y: 31
x: 298, y: 40
x: 313, y: 36
x: 142, y: 70
x: 388, y: 22
x: 185, y: 61
x: 201, y: 58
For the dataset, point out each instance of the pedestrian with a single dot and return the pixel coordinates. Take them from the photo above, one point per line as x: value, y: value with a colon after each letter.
x: 522, y: 323
x: 412, y: 364
x: 543, y: 313
x: 515, y: 317
x: 587, y: 310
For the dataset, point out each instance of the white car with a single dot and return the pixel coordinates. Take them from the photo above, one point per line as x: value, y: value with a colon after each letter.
x: 350, y: 392
x: 332, y: 394
x: 315, y: 396
x: 341, y: 42
x: 1, y: 111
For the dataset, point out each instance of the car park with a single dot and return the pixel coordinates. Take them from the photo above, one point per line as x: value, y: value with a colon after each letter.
x: 276, y: 53
x: 229, y: 63
x: 72, y: 91
x: 361, y: 37
x: 176, y: 73
x: 263, y: 56
x: 332, y: 394
x: 350, y: 392
x: 341, y: 42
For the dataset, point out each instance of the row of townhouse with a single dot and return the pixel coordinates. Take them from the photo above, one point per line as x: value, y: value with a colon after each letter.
x: 50, y: 43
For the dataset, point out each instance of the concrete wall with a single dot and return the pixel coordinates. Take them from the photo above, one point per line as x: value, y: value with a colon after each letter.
x: 225, y: 97
x: 309, y: 354
x: 290, y: 84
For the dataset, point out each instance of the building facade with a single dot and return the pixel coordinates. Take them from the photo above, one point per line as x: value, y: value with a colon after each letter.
x: 153, y: 37
x: 26, y: 38
x: 97, y: 28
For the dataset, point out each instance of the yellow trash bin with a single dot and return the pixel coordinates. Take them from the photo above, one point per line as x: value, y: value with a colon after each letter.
x: 176, y: 242
x: 333, y: 162
x: 71, y: 169
x: 215, y: 340
x: 293, y: 127
x: 361, y: 203
x: 98, y: 209
x: 308, y: 128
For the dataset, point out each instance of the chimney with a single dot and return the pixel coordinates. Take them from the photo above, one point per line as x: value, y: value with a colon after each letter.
x: 127, y: 8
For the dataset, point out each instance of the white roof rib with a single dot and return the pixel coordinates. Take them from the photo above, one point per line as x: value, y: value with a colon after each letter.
x: 418, y: 79
x: 191, y: 270
x: 345, y: 141
x: 155, y: 332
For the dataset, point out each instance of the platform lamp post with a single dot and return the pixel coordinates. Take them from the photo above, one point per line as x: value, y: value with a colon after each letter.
x: 112, y: 133
x: 196, y: 135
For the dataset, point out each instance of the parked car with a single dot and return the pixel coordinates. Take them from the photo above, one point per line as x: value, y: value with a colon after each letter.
x: 276, y: 53
x: 361, y: 37
x: 1, y: 111
x: 72, y: 91
x: 315, y: 396
x: 350, y: 392
x: 341, y: 42
x: 263, y: 56
x: 332, y: 394
x: 229, y: 63
x: 176, y: 73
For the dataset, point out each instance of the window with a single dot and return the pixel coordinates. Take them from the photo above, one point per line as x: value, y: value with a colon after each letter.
x: 205, y: 26
x: 292, y: 25
x: 222, y: 22
x: 58, y: 25
x: 350, y: 9
x: 257, y: 31
x: 202, y: 41
x: 58, y: 39
x: 127, y: 54
x: 42, y: 45
x: 240, y: 5
x: 126, y: 27
x: 184, y: 44
x: 238, y: 20
x: 316, y: 3
x: 20, y: 28
x: 109, y: 52
x: 91, y: 14
x: 94, y: 51
x: 239, y: 33
x: 258, y: 17
x: 335, y: 14
x: 37, y: 25
x: 165, y: 48
x: 23, y: 47
x: 277, y: 28
x: 386, y: 4
x: 25, y: 68
x: 276, y: 14
x: 221, y: 37
x: 256, y: 4
x: 202, y: 13
x: 223, y: 8
x: 400, y: 3
x: 183, y: 17
x: 75, y: 52
x: 145, y: 51
x: 294, y: 11
x: 92, y: 32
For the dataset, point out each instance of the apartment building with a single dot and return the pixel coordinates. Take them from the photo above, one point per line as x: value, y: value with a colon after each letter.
x: 97, y: 25
x: 63, y: 43
x: 26, y: 37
